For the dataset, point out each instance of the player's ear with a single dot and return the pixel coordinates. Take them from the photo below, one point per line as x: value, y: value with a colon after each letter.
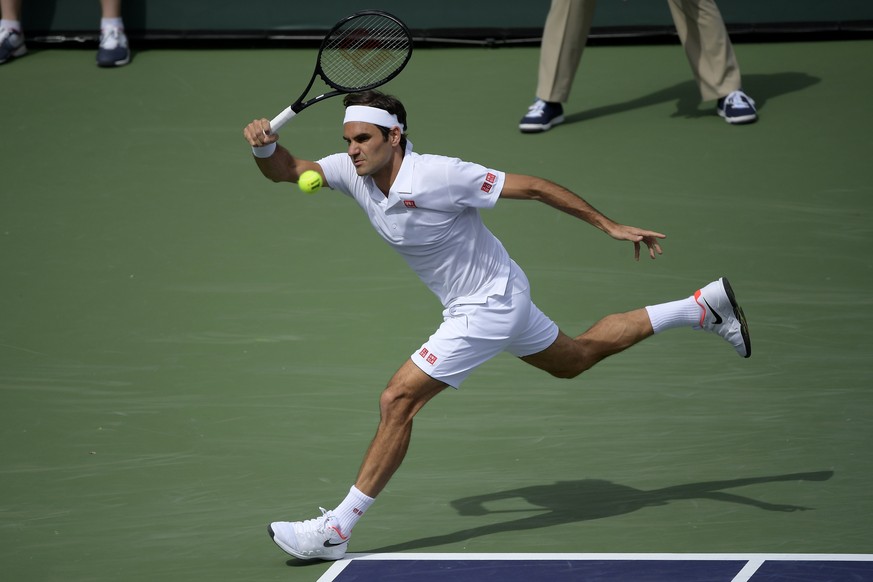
x: 394, y: 135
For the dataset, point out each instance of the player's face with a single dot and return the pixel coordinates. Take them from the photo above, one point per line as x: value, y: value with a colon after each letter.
x: 368, y: 148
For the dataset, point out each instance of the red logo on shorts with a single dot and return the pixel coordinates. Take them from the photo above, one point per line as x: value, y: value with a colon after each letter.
x: 427, y: 356
x: 409, y: 203
x: 490, y: 178
x: 486, y: 187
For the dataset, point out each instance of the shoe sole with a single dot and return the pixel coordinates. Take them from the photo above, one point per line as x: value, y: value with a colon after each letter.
x: 743, y: 120
x: 19, y: 52
x: 531, y: 128
x: 120, y: 63
x: 290, y: 551
x: 738, y: 313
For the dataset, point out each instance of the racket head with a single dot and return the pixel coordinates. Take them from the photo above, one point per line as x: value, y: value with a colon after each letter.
x: 364, y: 51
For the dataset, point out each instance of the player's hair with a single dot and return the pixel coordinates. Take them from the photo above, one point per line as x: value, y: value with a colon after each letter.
x: 389, y: 103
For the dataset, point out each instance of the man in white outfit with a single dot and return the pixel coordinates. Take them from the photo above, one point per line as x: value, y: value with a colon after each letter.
x: 427, y: 207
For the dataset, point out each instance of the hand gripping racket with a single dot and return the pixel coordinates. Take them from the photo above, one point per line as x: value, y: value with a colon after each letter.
x: 361, y: 52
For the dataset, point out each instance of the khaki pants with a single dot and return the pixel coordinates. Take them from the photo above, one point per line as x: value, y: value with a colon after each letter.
x: 698, y: 23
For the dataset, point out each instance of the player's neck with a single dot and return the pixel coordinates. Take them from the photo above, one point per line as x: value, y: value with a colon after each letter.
x: 385, y: 177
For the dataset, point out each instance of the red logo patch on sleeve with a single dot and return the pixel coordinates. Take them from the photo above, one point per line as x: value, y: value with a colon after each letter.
x: 486, y: 187
x: 427, y: 356
x: 409, y: 203
x: 490, y: 178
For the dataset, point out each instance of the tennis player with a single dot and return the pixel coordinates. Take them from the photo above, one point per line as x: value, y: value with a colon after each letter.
x: 427, y: 207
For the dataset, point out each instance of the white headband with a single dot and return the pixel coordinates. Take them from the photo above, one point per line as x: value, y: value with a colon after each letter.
x: 372, y: 115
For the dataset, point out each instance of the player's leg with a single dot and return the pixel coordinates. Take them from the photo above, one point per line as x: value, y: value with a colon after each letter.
x: 712, y: 308
x: 11, y: 35
x: 10, y: 10
x: 407, y: 392
x: 705, y: 39
x: 707, y: 45
x: 564, y: 37
x: 568, y: 357
x: 114, y: 50
x: 111, y: 8
x: 327, y: 537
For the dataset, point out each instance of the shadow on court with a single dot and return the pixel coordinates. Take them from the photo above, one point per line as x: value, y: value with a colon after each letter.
x: 761, y: 88
x: 588, y: 499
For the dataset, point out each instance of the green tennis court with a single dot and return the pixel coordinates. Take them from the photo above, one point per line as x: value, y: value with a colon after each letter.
x: 188, y: 352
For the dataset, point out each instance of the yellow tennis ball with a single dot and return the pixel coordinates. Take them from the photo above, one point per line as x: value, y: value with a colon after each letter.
x: 309, y: 181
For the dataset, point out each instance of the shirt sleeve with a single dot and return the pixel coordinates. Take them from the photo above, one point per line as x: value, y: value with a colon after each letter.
x: 474, y: 185
x: 339, y: 172
x: 452, y: 183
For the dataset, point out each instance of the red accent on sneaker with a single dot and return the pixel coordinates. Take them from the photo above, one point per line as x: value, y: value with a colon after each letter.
x: 339, y: 533
x: 702, y: 308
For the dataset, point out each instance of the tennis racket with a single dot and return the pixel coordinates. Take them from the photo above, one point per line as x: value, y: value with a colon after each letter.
x: 361, y: 52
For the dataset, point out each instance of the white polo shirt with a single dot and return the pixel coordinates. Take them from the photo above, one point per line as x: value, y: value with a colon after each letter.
x: 431, y: 217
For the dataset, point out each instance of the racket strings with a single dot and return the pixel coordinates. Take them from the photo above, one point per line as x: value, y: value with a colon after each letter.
x: 364, y: 52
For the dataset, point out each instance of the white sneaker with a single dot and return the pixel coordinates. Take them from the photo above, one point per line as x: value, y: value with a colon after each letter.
x: 113, y: 51
x: 11, y: 44
x: 313, y: 539
x: 722, y: 315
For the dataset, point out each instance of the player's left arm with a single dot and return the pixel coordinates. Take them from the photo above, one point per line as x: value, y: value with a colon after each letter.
x: 521, y: 187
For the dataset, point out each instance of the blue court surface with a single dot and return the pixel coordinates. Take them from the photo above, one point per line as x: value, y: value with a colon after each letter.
x: 603, y: 568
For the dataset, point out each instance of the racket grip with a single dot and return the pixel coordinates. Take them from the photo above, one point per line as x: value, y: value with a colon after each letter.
x: 277, y: 122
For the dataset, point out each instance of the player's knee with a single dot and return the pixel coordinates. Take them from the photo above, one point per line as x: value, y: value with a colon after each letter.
x: 396, y: 404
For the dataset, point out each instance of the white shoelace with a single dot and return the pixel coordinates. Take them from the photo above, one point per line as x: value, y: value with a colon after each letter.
x: 317, y: 525
x: 7, y: 33
x: 538, y: 109
x: 110, y: 38
x: 739, y: 100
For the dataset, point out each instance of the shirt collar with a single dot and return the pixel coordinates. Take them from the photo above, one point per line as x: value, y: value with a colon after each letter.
x: 403, y: 182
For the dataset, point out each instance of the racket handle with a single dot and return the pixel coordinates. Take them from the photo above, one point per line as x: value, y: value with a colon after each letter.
x: 277, y: 122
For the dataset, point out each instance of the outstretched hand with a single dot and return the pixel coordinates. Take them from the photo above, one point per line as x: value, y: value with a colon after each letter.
x: 637, y: 236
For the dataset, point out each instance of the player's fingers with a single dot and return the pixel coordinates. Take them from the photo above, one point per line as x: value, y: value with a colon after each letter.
x: 266, y: 134
x: 256, y: 133
x: 636, y: 251
x: 251, y: 132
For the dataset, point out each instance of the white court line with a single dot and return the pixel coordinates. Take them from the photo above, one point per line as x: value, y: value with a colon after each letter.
x: 754, y: 561
x: 748, y: 571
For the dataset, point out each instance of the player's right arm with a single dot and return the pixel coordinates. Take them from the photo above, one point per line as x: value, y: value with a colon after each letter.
x: 281, y: 166
x: 521, y: 187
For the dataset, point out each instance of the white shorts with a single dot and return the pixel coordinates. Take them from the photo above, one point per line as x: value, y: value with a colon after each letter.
x: 472, y: 334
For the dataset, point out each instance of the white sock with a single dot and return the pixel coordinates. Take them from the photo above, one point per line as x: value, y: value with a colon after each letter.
x: 351, y: 509
x: 111, y: 23
x: 11, y: 24
x: 682, y: 313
